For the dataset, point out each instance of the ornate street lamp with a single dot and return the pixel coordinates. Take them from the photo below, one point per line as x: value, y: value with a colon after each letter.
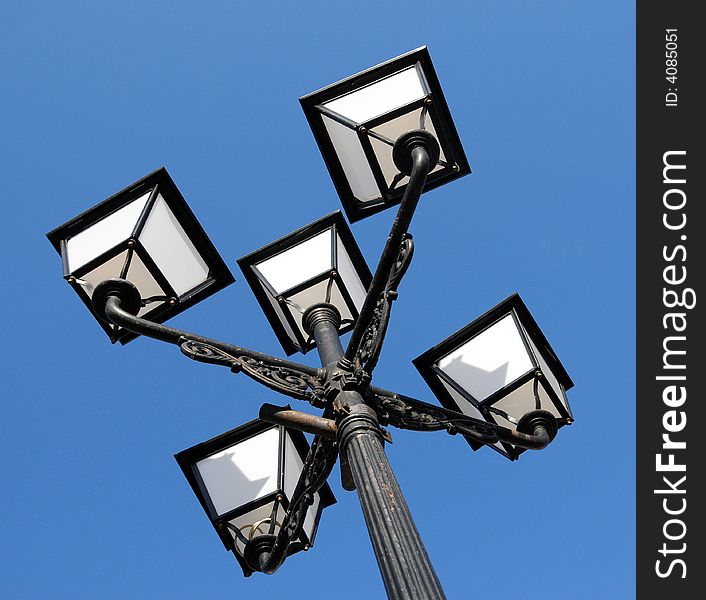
x: 357, y: 121
x: 317, y: 263
x: 145, y: 234
x: 500, y: 368
x: 245, y: 480
x: 140, y: 257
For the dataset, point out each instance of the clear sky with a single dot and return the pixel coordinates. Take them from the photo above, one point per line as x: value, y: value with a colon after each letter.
x: 97, y: 94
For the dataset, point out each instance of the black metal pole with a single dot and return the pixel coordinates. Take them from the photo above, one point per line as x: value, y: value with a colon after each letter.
x: 404, y: 564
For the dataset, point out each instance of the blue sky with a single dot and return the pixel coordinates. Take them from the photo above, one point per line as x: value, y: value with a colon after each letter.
x: 97, y: 94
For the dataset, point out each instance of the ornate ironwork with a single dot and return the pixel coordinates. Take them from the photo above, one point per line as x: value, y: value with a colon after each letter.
x: 206, y: 353
x: 368, y: 352
x: 317, y: 467
x: 402, y: 262
x: 407, y: 413
x: 285, y: 380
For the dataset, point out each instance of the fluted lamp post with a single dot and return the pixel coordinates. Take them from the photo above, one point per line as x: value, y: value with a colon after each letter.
x: 140, y: 257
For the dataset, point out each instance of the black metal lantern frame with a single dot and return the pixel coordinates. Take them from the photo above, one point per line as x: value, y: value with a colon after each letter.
x: 169, y: 303
x: 433, y: 109
x: 427, y: 366
x: 279, y: 306
x: 230, y: 535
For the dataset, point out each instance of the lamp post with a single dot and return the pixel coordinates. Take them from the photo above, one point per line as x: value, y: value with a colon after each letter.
x: 141, y: 256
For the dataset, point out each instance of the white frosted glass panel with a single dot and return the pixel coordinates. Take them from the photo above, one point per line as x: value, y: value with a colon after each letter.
x: 392, y: 130
x: 293, y: 465
x: 310, y: 519
x: 168, y: 245
x: 380, y: 97
x: 256, y: 522
x: 463, y: 405
x: 349, y: 275
x: 466, y: 407
x: 546, y: 371
x: 298, y: 264
x: 242, y: 473
x: 137, y: 274
x: 489, y: 361
x: 353, y: 160
x: 280, y: 314
x: 314, y: 295
x: 521, y: 401
x: 105, y: 234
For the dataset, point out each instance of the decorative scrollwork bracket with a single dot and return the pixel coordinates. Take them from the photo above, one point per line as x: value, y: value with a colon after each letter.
x: 372, y: 340
x: 285, y: 380
x: 317, y: 467
x: 407, y: 413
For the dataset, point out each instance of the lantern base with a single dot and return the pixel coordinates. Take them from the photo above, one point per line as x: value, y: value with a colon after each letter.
x: 316, y: 313
x: 130, y: 299
x: 402, y: 150
x: 538, y: 418
x: 257, y: 548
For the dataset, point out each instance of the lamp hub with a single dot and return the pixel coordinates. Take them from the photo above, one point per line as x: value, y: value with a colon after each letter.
x: 402, y: 150
x: 130, y: 299
x: 256, y: 547
x: 538, y: 418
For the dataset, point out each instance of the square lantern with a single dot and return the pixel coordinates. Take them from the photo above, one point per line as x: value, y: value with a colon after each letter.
x: 317, y: 263
x: 148, y: 235
x: 244, y: 480
x: 499, y: 368
x: 357, y: 121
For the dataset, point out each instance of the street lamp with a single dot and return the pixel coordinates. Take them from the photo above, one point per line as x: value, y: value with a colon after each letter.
x: 357, y: 121
x: 245, y: 480
x: 318, y: 263
x: 500, y: 368
x: 145, y: 234
x: 140, y: 257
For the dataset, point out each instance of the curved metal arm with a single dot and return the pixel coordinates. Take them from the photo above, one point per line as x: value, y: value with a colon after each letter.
x: 317, y: 467
x: 418, y: 176
x: 292, y: 379
x: 115, y: 314
x: 408, y: 413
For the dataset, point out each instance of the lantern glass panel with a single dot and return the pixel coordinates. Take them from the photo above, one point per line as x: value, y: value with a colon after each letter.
x: 242, y: 473
x: 381, y: 96
x: 467, y: 408
x: 310, y: 519
x: 278, y: 310
x: 298, y: 264
x: 353, y: 160
x: 489, y: 361
x: 137, y: 273
x: 349, y: 274
x: 170, y: 248
x: 293, y: 466
x: 521, y: 401
x: 548, y: 373
x: 104, y: 234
